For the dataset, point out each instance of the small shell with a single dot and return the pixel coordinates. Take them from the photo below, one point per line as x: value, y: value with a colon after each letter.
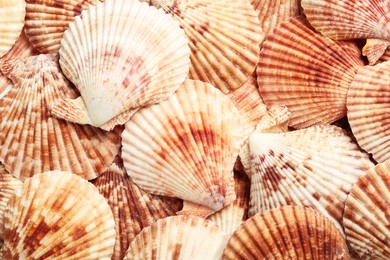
x: 179, y: 237
x: 374, y: 50
x: 142, y: 59
x: 306, y: 72
x: 224, y: 37
x: 58, y: 215
x: 133, y: 208
x: 366, y: 217
x: 289, y: 232
x: 32, y: 141
x: 186, y: 147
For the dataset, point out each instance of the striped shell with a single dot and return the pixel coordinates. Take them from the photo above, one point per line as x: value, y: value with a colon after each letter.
x: 374, y: 50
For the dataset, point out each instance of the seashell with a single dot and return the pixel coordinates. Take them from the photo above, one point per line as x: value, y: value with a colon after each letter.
x: 224, y: 37
x: 314, y: 167
x: 49, y: 218
x: 368, y: 107
x: 12, y: 14
x: 133, y: 208
x: 374, y: 50
x: 345, y: 20
x: 142, y: 59
x: 179, y: 237
x: 306, y: 72
x: 385, y: 56
x: 32, y: 141
x: 186, y: 147
x: 46, y: 21
x: 366, y: 215
x: 288, y: 232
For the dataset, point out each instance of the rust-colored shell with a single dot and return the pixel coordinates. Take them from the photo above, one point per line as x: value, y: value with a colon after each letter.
x: 374, y: 50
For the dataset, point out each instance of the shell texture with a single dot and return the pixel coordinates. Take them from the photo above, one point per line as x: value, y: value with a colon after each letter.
x: 367, y: 214
x: 49, y: 218
x: 32, y: 141
x: 306, y: 72
x: 224, y: 37
x: 289, y: 232
x: 186, y: 147
x: 179, y: 237
x: 121, y: 55
x: 374, y: 50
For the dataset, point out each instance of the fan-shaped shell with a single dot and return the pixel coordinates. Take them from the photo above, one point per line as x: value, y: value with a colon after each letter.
x: 58, y: 215
x: 133, y: 208
x: 46, y: 21
x: 289, y: 232
x: 306, y: 72
x: 224, y: 37
x: 186, y: 147
x: 179, y: 237
x: 313, y: 167
x: 32, y: 141
x: 374, y: 50
x: 142, y: 59
x: 366, y: 217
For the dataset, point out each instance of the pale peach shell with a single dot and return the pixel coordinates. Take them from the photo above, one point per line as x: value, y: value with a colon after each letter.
x: 58, y: 215
x: 179, y: 237
x: 32, y: 141
x: 308, y: 73
x: 224, y: 37
x: 374, y: 50
x: 366, y: 217
x: 186, y: 147
x: 288, y: 232
x: 142, y: 59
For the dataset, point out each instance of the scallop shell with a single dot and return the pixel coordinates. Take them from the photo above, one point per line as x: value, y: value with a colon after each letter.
x: 367, y: 214
x: 314, y: 167
x: 46, y: 21
x: 368, y: 108
x: 289, y: 232
x: 374, y: 50
x: 306, y: 72
x: 51, y: 218
x: 142, y: 59
x: 12, y: 14
x: 186, y: 147
x: 133, y: 208
x: 385, y: 56
x: 224, y: 37
x: 179, y: 237
x: 32, y: 141
x: 352, y: 19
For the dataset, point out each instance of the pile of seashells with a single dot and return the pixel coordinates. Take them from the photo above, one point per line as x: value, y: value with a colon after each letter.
x: 194, y: 129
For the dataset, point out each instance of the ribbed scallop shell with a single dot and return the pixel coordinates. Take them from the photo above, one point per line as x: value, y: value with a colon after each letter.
x: 185, y: 147
x: 179, y: 237
x: 224, y: 37
x: 314, y: 167
x: 374, y: 50
x: 32, y: 141
x: 368, y: 109
x: 366, y: 217
x: 133, y: 208
x: 12, y: 14
x: 58, y: 215
x: 46, y: 21
x: 289, y: 232
x: 121, y: 55
x: 308, y: 73
x: 349, y: 19
x: 385, y: 56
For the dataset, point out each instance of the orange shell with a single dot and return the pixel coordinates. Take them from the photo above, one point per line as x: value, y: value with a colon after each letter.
x: 374, y: 50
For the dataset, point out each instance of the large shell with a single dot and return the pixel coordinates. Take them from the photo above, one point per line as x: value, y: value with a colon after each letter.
x: 46, y: 21
x: 58, y: 215
x: 306, y: 72
x: 186, y: 147
x: 133, y: 208
x: 313, y: 167
x: 179, y: 237
x: 142, y: 59
x: 374, y: 50
x: 12, y: 14
x: 224, y: 37
x: 366, y: 217
x: 289, y: 232
x: 368, y: 109
x: 32, y: 141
